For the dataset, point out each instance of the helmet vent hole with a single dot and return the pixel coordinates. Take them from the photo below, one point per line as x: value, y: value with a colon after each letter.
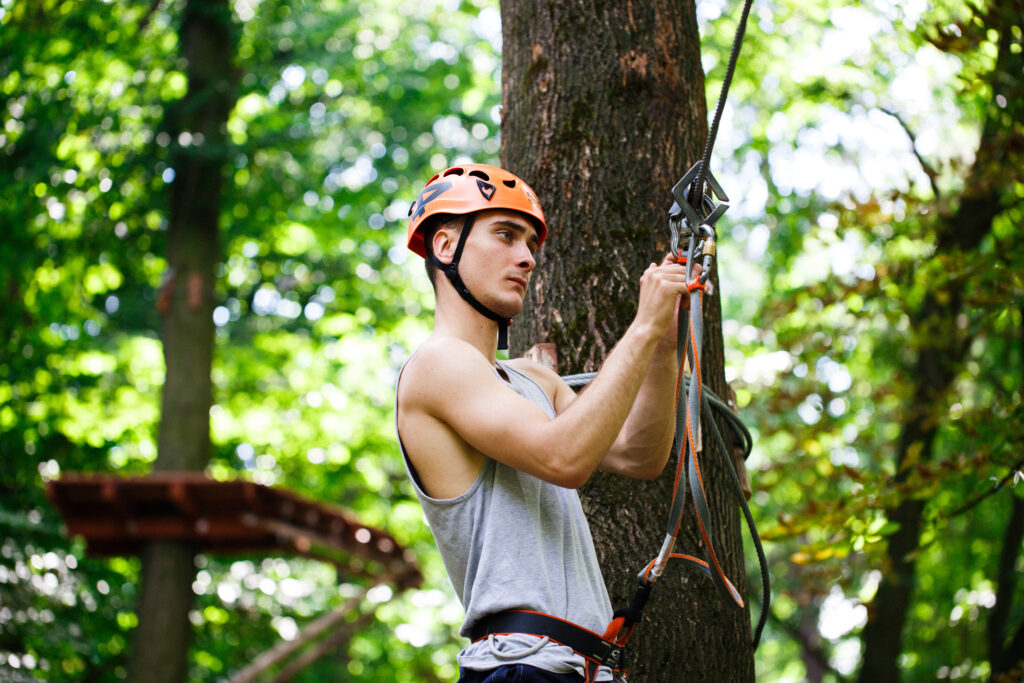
x: 454, y: 171
x: 509, y: 183
x: 480, y: 174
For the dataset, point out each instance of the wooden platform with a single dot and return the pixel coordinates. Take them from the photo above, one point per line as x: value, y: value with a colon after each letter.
x: 116, y: 515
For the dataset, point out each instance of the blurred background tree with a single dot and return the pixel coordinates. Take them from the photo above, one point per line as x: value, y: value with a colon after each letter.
x: 858, y: 136
x: 341, y: 110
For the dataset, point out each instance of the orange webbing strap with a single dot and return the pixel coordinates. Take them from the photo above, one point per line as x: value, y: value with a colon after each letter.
x: 694, y: 446
x: 688, y: 447
x: 688, y: 424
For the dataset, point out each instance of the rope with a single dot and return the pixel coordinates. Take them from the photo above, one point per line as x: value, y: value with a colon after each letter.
x: 688, y: 421
x: 696, y: 212
x: 737, y: 43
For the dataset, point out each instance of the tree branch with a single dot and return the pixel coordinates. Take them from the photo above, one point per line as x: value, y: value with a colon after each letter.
x: 1002, y: 482
x: 333, y: 641
x: 925, y: 166
x: 314, y: 630
x: 144, y: 21
x: 811, y: 650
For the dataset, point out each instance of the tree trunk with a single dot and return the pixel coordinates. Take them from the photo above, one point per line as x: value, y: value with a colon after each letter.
x: 1005, y: 650
x: 1005, y: 656
x: 197, y: 126
x: 604, y: 111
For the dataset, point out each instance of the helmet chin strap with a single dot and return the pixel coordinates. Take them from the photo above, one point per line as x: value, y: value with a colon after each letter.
x: 451, y: 271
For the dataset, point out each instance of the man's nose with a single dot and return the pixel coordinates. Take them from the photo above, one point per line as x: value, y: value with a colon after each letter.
x: 526, y: 261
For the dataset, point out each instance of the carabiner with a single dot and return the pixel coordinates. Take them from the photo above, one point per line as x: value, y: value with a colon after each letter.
x: 707, y: 248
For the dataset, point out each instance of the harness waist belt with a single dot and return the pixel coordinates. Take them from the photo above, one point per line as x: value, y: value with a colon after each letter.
x: 583, y: 641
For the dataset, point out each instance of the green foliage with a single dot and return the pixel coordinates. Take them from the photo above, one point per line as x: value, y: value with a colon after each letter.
x: 342, y: 111
x: 860, y: 129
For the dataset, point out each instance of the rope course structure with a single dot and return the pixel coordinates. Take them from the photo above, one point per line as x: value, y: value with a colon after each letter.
x: 117, y: 515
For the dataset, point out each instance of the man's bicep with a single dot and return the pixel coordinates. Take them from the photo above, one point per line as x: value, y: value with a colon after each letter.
x: 564, y: 396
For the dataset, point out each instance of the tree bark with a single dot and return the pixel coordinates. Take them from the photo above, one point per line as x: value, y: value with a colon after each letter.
x: 1006, y: 658
x: 197, y: 125
x: 604, y: 111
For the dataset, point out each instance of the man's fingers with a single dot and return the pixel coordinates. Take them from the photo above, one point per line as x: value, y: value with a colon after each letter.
x: 672, y: 272
x: 671, y: 260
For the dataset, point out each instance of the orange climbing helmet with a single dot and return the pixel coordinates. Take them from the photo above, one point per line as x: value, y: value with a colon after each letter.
x: 468, y: 188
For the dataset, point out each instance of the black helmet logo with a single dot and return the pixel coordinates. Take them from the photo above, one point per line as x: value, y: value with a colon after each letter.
x: 486, y: 189
x: 429, y: 194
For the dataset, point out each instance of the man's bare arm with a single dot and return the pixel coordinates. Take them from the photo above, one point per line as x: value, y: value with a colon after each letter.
x: 458, y: 387
x: 644, y: 443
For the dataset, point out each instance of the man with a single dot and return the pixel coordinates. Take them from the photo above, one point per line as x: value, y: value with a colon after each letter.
x: 496, y: 450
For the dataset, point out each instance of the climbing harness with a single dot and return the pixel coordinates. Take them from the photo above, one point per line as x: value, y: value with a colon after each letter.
x: 596, y: 650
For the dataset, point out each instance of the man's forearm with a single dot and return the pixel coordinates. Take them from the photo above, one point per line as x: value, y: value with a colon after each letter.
x: 593, y: 423
x: 588, y: 430
x: 646, y: 436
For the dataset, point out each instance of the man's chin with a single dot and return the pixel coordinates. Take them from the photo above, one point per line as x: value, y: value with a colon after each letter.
x: 507, y: 309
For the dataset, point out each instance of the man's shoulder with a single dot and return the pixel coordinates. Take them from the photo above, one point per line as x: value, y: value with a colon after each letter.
x: 445, y: 352
x: 440, y: 364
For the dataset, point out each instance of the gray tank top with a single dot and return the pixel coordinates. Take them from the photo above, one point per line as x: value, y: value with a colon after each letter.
x: 513, y: 541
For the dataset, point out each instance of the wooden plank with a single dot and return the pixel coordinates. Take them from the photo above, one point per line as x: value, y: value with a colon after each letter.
x: 115, y: 511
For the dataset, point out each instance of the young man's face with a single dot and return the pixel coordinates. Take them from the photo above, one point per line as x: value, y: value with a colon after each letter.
x: 498, y: 259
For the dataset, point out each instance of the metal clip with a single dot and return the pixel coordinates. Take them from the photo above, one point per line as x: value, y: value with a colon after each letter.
x: 708, y: 246
x: 683, y: 217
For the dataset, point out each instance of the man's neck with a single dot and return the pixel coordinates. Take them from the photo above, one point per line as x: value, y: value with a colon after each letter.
x: 470, y: 327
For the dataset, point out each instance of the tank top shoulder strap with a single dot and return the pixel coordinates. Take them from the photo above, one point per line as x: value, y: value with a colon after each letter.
x: 527, y: 387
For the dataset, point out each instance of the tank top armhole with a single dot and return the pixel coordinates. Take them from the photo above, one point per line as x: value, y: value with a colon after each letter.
x: 413, y: 474
x: 417, y: 483
x: 421, y: 492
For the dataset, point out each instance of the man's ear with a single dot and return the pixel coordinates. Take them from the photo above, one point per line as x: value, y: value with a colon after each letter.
x: 446, y: 239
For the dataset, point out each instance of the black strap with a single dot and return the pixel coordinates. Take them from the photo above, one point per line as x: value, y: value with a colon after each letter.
x: 583, y: 641
x: 631, y: 614
x: 451, y: 271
